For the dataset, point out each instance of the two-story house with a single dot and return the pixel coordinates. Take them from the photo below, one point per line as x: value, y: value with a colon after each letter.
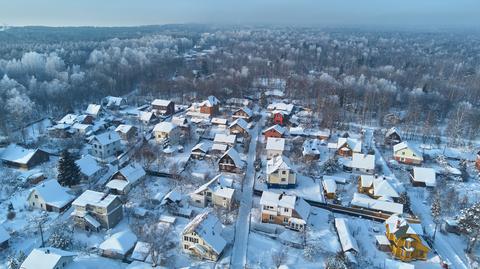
x: 105, y: 146
x: 282, y: 209
x: 166, y: 130
x: 163, y: 107
x: 280, y: 173
x: 275, y: 147
x: 210, y: 106
x: 405, y: 153
x: 406, y: 242
x: 94, y: 210
x: 50, y: 196
x: 202, y: 237
x: 218, y: 192
x: 243, y: 113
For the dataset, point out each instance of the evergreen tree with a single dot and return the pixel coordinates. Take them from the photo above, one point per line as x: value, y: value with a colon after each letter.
x: 68, y: 170
x: 436, y: 211
x: 469, y: 223
x: 405, y: 200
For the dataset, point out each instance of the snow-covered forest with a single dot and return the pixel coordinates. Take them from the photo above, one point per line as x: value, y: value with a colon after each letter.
x: 433, y: 78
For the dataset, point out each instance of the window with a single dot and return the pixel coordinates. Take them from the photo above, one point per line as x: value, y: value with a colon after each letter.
x: 283, y: 179
x: 285, y: 220
x: 284, y: 172
x: 285, y: 209
x: 36, y: 196
x: 270, y: 217
x: 403, y: 152
x: 185, y: 238
x: 185, y: 246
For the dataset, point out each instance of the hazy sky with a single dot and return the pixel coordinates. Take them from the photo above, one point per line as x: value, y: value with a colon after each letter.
x: 291, y: 12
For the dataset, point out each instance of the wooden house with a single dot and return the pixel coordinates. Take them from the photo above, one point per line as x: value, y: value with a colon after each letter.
x: 377, y: 187
x: 50, y: 196
x: 406, y: 242
x: 274, y: 131
x: 94, y: 110
x: 122, y: 181
x: 202, y: 237
x: 22, y: 158
x: 347, y: 146
x: 329, y: 188
x: 405, y: 153
x: 230, y: 162
x: 280, y: 173
x: 392, y: 137
x: 239, y: 127
x: 147, y: 117
x: 243, y: 113
x: 423, y: 177
x: 279, y: 118
x: 126, y: 132
x: 118, y: 246
x: 163, y: 107
x: 200, y: 150
x: 287, y: 210
x: 210, y: 106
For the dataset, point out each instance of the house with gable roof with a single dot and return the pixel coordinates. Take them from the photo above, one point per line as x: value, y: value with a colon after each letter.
x: 243, y: 113
x: 280, y: 173
x: 405, y: 153
x: 202, y: 237
x: 218, y: 191
x: 106, y: 145
x: 48, y: 258
x: 163, y: 107
x: 377, y: 187
x: 231, y: 161
x: 122, y: 181
x: 210, y: 106
x: 50, y: 196
x: 288, y: 210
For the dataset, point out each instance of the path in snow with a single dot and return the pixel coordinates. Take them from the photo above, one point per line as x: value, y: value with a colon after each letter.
x: 441, y: 244
x: 242, y: 227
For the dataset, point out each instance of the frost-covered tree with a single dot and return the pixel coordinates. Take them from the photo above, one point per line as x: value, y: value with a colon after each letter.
x: 337, y: 261
x: 61, y: 237
x: 12, y: 262
x: 469, y: 223
x: 68, y: 170
x: 436, y: 210
x: 405, y: 200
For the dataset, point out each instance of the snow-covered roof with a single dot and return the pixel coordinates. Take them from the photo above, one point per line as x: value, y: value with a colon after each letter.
x: 354, y: 144
x: 113, y: 101
x: 311, y: 147
x: 202, y: 146
x: 45, y: 258
x: 404, y: 145
x: 302, y: 208
x: 146, y: 115
x: 277, y: 199
x: 224, y: 139
x: 117, y: 184
x: 246, y: 110
x: 281, y: 107
x: 297, y: 131
x: 362, y: 200
x: 279, y: 129
x: 161, y: 102
x: 52, y: 193
x: 278, y: 162
x: 68, y: 119
x: 17, y: 154
x: 93, y: 109
x: 210, y: 101
x: 107, y: 138
x: 346, y: 239
x: 363, y: 161
x: 233, y: 154
x: 121, y: 242
x: 123, y: 128
x: 400, y: 227
x: 381, y: 186
x: 219, y: 180
x: 219, y: 147
x: 164, y: 127
x: 180, y: 121
x: 337, y: 179
x: 224, y: 192
x: 219, y: 121
x: 391, y: 131
x: 132, y: 172
x: 329, y: 185
x: 173, y: 196
x: 141, y: 251
x: 275, y: 143
x: 94, y: 198
x: 240, y: 122
x: 424, y: 175
x: 81, y: 126
x: 88, y: 165
x: 4, y: 235
x: 208, y: 227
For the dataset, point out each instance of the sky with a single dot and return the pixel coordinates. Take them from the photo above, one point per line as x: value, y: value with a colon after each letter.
x: 382, y: 13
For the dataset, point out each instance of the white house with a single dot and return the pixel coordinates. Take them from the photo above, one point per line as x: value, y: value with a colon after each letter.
x: 361, y: 163
x: 166, y: 130
x: 48, y: 258
x: 106, y: 146
x: 50, y: 196
x: 275, y: 147
x: 93, y: 110
x: 218, y: 191
x: 280, y: 173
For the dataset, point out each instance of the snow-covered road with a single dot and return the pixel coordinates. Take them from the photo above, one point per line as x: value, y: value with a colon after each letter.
x: 242, y: 227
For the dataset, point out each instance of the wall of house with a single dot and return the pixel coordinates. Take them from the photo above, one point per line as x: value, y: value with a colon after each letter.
x: 407, y: 156
x: 272, y: 133
x: 36, y: 201
x: 221, y: 201
x: 209, y: 255
x: 282, y: 177
x: 105, y: 151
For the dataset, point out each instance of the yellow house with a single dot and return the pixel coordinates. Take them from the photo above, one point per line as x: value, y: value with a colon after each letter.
x: 280, y: 174
x: 406, y: 243
x: 404, y: 153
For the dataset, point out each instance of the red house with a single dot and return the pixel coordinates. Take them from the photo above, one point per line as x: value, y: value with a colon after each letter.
x: 279, y: 118
x: 276, y: 131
